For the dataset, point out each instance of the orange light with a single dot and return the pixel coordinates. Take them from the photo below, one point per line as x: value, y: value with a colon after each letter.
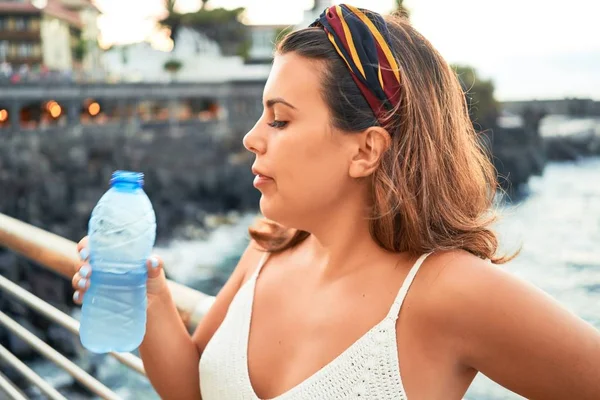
x: 3, y: 115
x: 50, y: 104
x: 94, y: 109
x: 55, y: 110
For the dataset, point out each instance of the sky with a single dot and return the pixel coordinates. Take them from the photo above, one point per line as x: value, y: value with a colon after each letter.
x: 529, y: 48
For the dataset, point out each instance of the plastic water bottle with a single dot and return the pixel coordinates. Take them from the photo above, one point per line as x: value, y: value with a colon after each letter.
x: 121, y: 234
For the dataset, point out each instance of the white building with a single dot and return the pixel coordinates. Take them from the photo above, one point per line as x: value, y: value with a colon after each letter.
x: 201, y: 61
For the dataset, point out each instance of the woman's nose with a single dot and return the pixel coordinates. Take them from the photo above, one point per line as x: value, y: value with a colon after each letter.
x: 254, y: 141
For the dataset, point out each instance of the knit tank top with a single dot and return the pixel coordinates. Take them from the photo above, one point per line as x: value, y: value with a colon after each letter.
x: 368, y: 369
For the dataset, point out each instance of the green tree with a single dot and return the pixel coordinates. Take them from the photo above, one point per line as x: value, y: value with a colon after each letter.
x: 401, y: 9
x: 173, y: 66
x: 483, y: 107
x: 80, y: 49
x: 173, y: 19
x: 221, y: 25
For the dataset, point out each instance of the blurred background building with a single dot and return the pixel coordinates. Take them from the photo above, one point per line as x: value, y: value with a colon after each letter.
x: 49, y: 36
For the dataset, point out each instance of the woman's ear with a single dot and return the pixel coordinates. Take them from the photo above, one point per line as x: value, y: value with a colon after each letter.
x: 371, y: 144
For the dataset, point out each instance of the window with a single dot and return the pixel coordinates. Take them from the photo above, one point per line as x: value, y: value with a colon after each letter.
x: 3, y: 49
x: 25, y: 50
x: 34, y: 24
x: 20, y: 24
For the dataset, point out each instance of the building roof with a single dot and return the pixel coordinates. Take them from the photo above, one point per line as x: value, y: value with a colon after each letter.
x: 80, y: 4
x: 56, y: 9
x: 18, y: 7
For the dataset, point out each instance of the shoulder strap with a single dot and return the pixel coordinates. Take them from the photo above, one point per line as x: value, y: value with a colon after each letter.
x: 261, y: 263
x: 395, y: 309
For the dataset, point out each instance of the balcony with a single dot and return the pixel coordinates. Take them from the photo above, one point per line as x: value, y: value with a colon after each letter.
x: 20, y: 35
x: 30, y: 60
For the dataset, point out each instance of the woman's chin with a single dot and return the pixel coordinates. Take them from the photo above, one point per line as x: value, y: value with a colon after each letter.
x: 266, y: 208
x: 273, y: 210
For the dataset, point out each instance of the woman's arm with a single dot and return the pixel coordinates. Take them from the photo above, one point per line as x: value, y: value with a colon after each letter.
x: 171, y: 356
x: 513, y: 332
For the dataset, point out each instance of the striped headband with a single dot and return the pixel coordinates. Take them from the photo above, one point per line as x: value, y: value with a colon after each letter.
x: 362, y: 39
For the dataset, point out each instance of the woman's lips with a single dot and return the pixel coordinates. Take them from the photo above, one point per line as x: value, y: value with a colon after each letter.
x: 261, y: 180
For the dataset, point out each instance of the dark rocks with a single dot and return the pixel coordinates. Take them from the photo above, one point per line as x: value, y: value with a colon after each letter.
x: 574, y: 147
x: 53, y: 179
x: 517, y: 154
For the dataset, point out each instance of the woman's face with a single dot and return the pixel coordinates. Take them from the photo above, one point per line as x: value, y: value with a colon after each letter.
x: 302, y: 162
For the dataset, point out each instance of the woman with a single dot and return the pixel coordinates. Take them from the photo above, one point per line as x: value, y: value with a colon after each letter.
x: 373, y: 182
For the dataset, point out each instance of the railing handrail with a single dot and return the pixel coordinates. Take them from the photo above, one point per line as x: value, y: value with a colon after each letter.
x: 8, y: 388
x: 60, y: 255
x: 73, y: 369
x: 30, y: 375
x: 64, y: 320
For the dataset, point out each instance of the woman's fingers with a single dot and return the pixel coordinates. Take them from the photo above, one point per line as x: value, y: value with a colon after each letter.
x: 78, y: 297
x: 82, y: 249
x: 81, y: 278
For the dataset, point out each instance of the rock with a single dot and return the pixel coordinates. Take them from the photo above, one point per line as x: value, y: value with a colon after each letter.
x: 62, y: 340
x: 54, y: 179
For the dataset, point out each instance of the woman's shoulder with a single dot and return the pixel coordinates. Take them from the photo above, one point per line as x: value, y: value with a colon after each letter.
x: 463, y: 299
x: 453, y: 288
x: 451, y: 279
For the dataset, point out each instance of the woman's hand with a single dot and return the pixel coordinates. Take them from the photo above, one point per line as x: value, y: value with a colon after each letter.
x: 156, y: 284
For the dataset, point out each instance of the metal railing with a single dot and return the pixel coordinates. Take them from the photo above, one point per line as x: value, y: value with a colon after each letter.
x: 60, y: 255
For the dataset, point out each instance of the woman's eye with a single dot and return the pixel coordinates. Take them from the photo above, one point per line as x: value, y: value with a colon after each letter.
x: 277, y: 124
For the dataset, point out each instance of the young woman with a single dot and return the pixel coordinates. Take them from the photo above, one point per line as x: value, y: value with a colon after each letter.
x: 373, y: 182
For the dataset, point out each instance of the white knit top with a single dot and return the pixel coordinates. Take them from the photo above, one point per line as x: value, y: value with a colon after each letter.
x: 368, y: 369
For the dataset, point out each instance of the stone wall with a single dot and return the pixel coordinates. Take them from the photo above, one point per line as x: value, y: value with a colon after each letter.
x: 53, y: 179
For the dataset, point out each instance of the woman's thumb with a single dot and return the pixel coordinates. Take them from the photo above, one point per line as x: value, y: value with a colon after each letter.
x: 154, y: 265
x: 156, y: 275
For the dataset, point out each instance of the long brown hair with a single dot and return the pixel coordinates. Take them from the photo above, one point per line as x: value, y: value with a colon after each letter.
x: 435, y: 186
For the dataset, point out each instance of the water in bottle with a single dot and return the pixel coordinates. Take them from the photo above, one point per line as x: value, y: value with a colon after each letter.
x: 121, y: 234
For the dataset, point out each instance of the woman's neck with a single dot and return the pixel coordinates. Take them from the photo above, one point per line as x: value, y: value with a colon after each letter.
x: 341, y: 240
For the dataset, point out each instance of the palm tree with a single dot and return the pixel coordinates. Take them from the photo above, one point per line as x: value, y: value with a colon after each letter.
x: 401, y: 9
x: 172, y: 20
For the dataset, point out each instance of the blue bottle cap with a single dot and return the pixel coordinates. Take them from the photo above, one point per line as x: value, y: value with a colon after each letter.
x: 131, y: 177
